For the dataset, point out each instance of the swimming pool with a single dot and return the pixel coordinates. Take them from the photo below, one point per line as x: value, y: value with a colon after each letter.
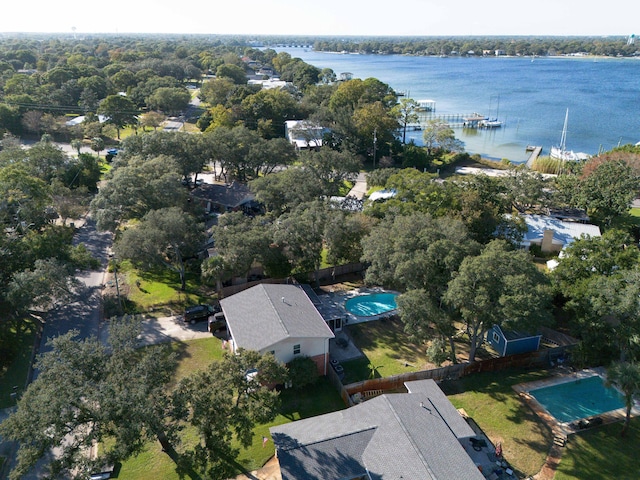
x: 578, y: 399
x: 371, y: 304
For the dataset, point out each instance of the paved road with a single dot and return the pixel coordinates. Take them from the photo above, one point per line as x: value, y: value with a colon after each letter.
x: 84, y: 314
x: 67, y: 148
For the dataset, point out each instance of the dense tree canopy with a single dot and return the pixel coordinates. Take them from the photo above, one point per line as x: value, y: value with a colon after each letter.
x: 136, y: 188
x: 166, y: 237
x: 499, y: 287
x: 86, y: 393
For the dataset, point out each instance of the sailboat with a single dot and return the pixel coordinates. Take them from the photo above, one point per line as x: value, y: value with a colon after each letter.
x: 560, y: 152
x: 491, y: 122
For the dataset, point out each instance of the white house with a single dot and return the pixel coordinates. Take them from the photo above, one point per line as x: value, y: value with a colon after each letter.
x: 304, y: 134
x: 552, y: 234
x: 278, y: 319
x: 78, y: 120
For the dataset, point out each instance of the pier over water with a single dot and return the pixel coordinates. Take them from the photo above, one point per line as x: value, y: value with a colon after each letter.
x: 455, y: 120
x: 533, y: 156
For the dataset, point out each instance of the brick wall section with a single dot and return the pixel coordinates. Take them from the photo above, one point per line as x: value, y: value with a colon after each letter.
x: 322, y: 363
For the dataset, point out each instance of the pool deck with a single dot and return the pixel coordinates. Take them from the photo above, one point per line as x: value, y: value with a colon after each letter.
x: 339, y: 298
x: 564, y: 429
x: 341, y: 347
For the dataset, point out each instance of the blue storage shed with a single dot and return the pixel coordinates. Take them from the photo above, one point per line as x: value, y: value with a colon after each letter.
x: 510, y: 342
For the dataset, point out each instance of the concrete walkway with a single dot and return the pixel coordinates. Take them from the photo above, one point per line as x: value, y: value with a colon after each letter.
x: 270, y: 471
x: 166, y: 329
x: 359, y: 190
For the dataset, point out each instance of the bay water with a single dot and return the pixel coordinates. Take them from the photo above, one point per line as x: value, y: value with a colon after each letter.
x: 530, y: 95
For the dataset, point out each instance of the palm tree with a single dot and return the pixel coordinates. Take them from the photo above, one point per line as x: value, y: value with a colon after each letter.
x: 97, y: 144
x: 625, y: 376
x: 76, y: 144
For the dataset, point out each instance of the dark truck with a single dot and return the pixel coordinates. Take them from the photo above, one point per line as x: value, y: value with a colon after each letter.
x: 217, y: 322
x: 199, y: 313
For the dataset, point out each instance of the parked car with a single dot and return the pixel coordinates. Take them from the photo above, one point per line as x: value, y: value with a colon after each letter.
x: 198, y: 313
x: 217, y: 322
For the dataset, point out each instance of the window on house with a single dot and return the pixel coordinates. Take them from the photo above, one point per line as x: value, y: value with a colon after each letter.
x: 296, y: 349
x: 496, y: 337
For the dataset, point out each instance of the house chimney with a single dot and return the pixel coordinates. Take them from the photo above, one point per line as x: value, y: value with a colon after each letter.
x: 547, y: 241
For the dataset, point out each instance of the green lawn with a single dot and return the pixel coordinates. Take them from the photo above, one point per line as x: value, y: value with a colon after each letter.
x: 387, y: 351
x: 159, y: 290
x: 602, y: 453
x: 197, y: 354
x: 16, y: 373
x: 489, y: 399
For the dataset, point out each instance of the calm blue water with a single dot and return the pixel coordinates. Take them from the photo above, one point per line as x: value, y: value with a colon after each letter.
x: 531, y: 97
x: 574, y: 400
x: 372, y: 304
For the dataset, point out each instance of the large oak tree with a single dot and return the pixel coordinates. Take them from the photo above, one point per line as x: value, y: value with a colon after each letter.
x: 500, y: 286
x: 168, y: 237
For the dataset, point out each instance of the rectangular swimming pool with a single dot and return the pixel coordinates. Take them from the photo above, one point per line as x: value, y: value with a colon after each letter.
x: 578, y: 399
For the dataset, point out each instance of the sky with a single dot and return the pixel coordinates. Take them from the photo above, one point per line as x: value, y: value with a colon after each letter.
x: 327, y: 17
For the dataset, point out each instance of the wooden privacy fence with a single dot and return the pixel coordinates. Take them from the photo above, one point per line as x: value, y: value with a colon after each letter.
x: 225, y: 292
x: 396, y: 382
x: 366, y: 388
x: 324, y: 274
x: 331, y: 273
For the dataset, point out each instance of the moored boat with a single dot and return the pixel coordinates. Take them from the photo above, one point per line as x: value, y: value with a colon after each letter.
x: 560, y: 152
x: 490, y: 123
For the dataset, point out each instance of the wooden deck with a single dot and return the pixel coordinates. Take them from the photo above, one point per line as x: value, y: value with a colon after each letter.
x: 535, y: 153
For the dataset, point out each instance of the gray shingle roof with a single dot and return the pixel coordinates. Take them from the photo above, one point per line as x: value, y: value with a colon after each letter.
x: 409, y: 435
x: 230, y: 196
x: 266, y: 314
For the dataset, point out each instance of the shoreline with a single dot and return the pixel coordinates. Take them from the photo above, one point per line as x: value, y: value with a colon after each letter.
x: 567, y: 56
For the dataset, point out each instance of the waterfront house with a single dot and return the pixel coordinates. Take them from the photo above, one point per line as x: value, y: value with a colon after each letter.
x: 278, y: 319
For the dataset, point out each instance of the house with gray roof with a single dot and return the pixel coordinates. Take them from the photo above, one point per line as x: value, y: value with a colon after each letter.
x: 414, y: 435
x: 217, y: 197
x: 278, y: 319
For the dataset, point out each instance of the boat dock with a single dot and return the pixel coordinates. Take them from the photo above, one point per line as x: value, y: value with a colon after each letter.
x: 533, y: 156
x: 464, y: 120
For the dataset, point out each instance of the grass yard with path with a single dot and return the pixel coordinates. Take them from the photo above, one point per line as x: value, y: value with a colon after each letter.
x: 158, y: 291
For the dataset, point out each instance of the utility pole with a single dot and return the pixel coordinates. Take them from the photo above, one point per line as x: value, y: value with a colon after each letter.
x: 375, y: 142
x: 114, y: 264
